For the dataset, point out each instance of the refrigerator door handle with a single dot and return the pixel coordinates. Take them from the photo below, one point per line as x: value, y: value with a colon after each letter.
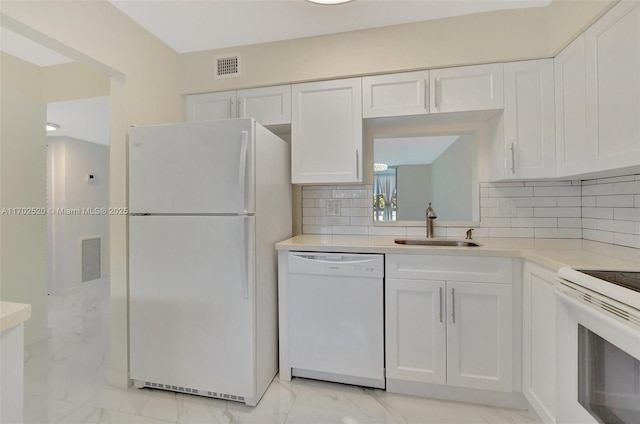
x: 246, y: 256
x: 243, y: 163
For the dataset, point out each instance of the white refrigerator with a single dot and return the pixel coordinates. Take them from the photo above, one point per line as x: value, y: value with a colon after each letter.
x: 208, y: 201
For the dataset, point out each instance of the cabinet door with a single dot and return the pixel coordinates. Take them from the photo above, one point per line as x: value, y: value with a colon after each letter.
x: 467, y: 88
x: 415, y: 330
x: 211, y: 106
x: 529, y: 119
x: 572, y: 151
x: 268, y: 105
x: 539, y: 340
x: 613, y: 87
x: 479, y: 336
x: 326, y: 132
x: 395, y: 94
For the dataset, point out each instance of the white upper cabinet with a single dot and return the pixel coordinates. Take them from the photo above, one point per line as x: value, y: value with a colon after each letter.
x: 268, y: 105
x: 612, y: 58
x: 395, y: 94
x: 211, y: 106
x: 466, y: 88
x: 571, y: 119
x: 597, y: 81
x: 529, y: 121
x: 326, y: 132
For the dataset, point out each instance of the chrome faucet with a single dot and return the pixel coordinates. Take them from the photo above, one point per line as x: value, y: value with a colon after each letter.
x: 431, y: 216
x: 469, y: 234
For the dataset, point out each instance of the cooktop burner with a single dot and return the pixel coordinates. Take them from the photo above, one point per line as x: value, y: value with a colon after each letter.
x: 630, y: 280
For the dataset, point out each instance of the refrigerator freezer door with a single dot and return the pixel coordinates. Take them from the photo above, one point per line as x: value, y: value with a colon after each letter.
x: 192, y: 168
x: 191, y: 302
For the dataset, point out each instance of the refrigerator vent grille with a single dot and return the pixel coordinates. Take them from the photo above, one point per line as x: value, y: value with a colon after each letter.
x: 228, y: 66
x: 194, y: 391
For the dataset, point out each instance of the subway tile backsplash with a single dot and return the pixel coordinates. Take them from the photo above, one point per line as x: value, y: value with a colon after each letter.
x: 611, y: 210
x: 606, y: 210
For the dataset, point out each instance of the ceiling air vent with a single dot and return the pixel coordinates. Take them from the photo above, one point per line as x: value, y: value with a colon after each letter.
x: 228, y: 66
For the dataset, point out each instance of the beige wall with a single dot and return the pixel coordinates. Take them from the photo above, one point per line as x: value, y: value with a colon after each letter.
x: 499, y: 36
x: 23, y: 246
x: 569, y: 18
x: 144, y: 90
x: 72, y: 81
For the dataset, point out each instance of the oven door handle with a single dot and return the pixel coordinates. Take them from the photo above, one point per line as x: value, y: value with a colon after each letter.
x: 629, y: 329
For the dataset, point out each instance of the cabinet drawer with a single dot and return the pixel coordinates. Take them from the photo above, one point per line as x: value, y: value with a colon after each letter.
x: 450, y: 268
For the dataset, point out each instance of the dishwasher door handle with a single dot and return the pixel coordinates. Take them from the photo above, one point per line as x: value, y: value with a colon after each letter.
x: 335, y: 259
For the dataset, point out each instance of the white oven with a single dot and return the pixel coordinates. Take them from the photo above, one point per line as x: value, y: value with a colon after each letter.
x: 597, y: 349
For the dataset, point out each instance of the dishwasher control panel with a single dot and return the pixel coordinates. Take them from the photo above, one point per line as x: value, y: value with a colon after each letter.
x: 338, y: 264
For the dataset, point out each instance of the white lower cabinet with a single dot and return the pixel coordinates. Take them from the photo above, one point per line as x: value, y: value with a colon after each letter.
x: 539, y: 340
x: 415, y: 330
x: 445, y: 332
x: 479, y: 339
x: 453, y: 333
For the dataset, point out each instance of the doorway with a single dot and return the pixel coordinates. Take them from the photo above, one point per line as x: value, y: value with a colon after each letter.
x: 77, y: 193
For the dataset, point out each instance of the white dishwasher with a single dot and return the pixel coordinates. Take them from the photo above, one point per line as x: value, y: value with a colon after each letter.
x: 336, y: 317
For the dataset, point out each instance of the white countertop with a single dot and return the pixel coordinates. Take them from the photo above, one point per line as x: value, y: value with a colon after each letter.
x: 13, y: 314
x: 551, y: 253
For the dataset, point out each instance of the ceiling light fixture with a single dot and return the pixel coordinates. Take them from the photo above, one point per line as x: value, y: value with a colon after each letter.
x: 329, y: 2
x: 52, y: 127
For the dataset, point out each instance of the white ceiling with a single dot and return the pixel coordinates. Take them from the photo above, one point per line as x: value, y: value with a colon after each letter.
x: 84, y: 119
x: 193, y: 25
x: 410, y: 150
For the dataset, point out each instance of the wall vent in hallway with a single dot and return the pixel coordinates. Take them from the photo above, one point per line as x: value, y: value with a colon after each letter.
x: 91, y: 253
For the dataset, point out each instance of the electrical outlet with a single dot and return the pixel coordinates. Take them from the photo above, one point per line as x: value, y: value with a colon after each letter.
x: 506, y: 208
x: 333, y: 207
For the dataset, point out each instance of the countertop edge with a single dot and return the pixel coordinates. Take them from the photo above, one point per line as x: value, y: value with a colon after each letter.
x: 13, y: 314
x: 549, y: 253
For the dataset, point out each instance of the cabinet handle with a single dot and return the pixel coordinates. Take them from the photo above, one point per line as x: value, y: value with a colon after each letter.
x: 230, y: 108
x: 357, y: 164
x: 435, y: 95
x: 426, y: 95
x: 440, y: 304
x: 238, y: 109
x: 513, y: 158
x: 453, y: 305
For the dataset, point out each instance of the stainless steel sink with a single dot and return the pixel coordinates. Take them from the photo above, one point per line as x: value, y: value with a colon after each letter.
x: 432, y: 242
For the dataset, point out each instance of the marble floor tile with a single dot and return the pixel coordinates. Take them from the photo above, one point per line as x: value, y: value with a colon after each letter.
x: 321, y: 402
x: 65, y: 382
x: 410, y: 409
